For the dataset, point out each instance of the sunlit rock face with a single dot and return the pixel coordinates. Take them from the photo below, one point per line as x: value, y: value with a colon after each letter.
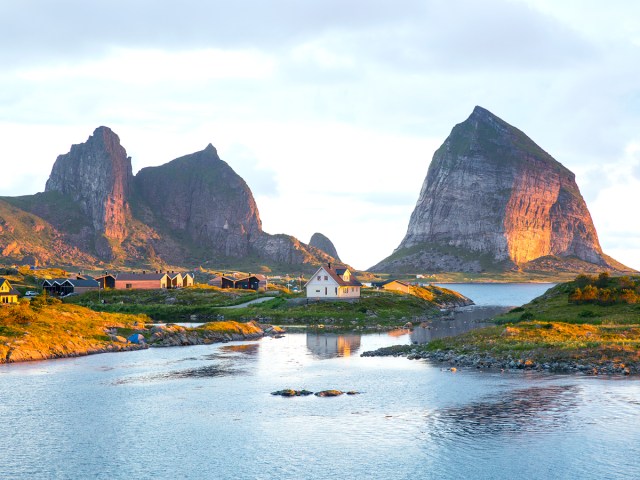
x: 97, y: 175
x: 494, y: 199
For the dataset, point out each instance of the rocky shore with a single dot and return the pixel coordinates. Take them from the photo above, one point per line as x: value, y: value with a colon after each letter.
x: 457, y: 360
x: 139, y: 337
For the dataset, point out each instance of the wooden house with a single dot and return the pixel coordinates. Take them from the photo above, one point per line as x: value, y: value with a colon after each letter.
x: 175, y: 280
x: 65, y: 286
x: 142, y: 281
x: 243, y: 282
x: 334, y: 283
x: 187, y: 280
x: 106, y: 281
x: 396, y: 285
x: 8, y: 294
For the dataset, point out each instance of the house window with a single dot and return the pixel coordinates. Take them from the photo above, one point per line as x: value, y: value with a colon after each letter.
x: 128, y: 285
x: 326, y: 277
x: 317, y: 291
x: 319, y: 277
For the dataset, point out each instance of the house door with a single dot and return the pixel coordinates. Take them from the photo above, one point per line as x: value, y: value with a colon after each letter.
x: 325, y: 291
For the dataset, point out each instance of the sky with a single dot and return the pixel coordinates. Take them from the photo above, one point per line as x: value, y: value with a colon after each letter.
x: 330, y: 110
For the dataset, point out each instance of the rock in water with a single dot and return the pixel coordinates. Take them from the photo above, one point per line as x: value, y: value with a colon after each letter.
x: 321, y: 242
x: 494, y: 200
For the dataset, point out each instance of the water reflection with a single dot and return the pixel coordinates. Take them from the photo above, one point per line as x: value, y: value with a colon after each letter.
x: 204, y: 371
x: 531, y: 410
x: 463, y: 320
x: 330, y: 345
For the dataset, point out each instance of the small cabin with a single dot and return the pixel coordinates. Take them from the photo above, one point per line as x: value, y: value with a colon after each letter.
x: 396, y: 286
x: 142, y: 281
x: 175, y: 280
x: 106, y: 281
x: 187, y: 280
x: 8, y: 294
x: 242, y: 282
x: 65, y: 286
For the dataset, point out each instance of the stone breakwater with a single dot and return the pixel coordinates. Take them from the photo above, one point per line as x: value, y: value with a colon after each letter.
x: 476, y: 360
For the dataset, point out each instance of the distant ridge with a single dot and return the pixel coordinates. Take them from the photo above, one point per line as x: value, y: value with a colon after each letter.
x: 192, y: 210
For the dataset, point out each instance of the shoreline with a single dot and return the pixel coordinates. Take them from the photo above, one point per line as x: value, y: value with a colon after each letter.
x: 484, y: 361
x: 155, y: 336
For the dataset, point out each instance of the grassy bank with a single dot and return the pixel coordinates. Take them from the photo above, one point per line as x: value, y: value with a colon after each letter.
x: 46, y: 328
x: 51, y: 329
x: 203, y: 304
x: 591, y: 324
x: 165, y: 305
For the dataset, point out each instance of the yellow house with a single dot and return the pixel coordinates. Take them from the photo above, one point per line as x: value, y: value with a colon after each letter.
x: 8, y: 294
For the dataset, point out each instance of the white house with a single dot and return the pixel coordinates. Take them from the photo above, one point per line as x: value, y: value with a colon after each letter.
x: 333, y: 282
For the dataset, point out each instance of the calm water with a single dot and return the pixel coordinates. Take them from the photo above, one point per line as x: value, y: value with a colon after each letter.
x: 508, y: 295
x: 206, y: 412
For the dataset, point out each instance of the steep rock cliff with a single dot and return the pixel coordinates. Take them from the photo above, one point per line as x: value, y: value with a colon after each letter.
x: 97, y: 175
x: 321, y: 242
x: 200, y: 195
x: 493, y: 199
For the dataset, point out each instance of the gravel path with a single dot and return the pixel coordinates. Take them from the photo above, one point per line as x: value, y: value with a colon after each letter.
x: 251, y: 302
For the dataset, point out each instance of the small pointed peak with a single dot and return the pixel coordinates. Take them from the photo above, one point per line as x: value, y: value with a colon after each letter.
x: 211, y: 149
x: 479, y: 111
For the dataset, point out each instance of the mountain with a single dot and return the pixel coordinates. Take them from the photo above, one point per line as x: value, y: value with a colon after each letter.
x: 94, y: 211
x: 321, y: 242
x: 493, y: 200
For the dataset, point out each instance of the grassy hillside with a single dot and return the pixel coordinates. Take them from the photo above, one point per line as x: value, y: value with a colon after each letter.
x: 591, y: 324
x: 208, y: 303
x: 47, y: 328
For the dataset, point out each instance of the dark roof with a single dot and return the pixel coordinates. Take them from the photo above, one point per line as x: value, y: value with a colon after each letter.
x: 83, y: 283
x: 13, y: 291
x: 140, y: 276
x: 105, y: 276
x: 2, y: 280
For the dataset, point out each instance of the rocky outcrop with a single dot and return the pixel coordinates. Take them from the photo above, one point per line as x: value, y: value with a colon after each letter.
x: 494, y: 200
x: 288, y: 250
x: 321, y: 242
x: 97, y: 175
x: 201, y: 196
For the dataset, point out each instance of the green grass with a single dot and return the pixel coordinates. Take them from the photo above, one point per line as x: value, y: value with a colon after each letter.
x: 554, y: 306
x: 375, y: 307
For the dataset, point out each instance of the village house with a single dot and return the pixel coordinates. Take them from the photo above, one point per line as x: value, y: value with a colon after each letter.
x: 395, y: 285
x: 65, y: 286
x: 175, y: 280
x: 106, y: 281
x: 188, y: 280
x: 333, y: 282
x: 240, y: 281
x: 8, y: 294
x: 142, y: 281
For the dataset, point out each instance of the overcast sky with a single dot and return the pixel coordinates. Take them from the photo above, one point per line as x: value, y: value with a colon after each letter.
x: 330, y: 110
